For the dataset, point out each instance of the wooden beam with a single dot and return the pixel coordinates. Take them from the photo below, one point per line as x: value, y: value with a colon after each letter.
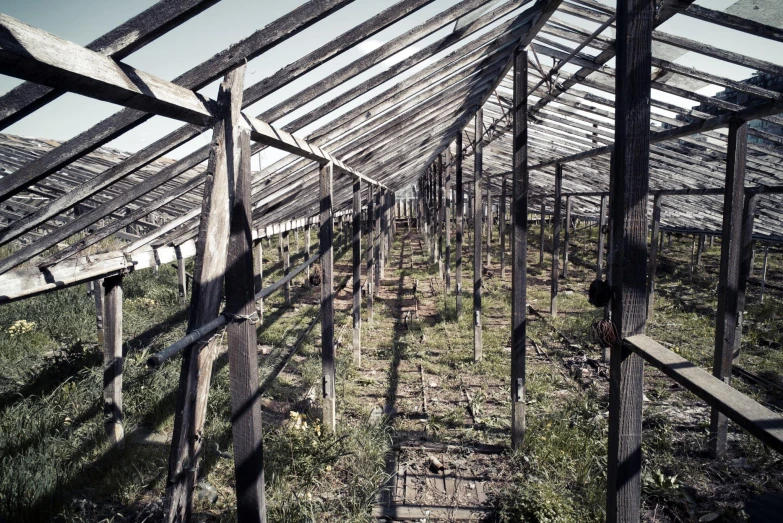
x: 182, y: 282
x: 629, y: 260
x: 460, y: 222
x: 557, y: 221
x: 207, y: 292
x: 258, y: 276
x: 653, y: 262
x: 727, y: 316
x: 519, y: 226
x: 357, y: 273
x: 599, y: 268
x: 242, y: 352
x: 447, y: 216
x: 502, y: 227
x: 112, y: 359
x: 371, y: 249
x: 567, y: 239
x: 477, y: 225
x: 732, y: 22
x: 541, y: 233
x: 326, y: 252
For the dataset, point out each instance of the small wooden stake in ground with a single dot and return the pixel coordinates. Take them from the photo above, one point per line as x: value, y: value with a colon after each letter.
x: 112, y: 359
x: 327, y: 297
x: 556, y: 223
x: 477, y: 216
x: 357, y: 272
x: 728, y: 312
x: 460, y: 223
x: 210, y: 266
x: 242, y: 353
x: 519, y: 225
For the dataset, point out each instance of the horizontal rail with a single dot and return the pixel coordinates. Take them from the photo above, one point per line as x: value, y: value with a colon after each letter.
x: 758, y: 420
x: 195, y: 335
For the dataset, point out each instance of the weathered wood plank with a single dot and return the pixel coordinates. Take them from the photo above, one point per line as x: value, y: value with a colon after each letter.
x: 242, y: 352
x: 357, y: 272
x: 557, y: 221
x: 327, y: 298
x: 112, y: 359
x: 477, y: 243
x: 653, y: 262
x: 459, y: 189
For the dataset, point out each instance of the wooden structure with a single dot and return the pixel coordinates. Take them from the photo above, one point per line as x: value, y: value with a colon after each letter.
x: 472, y: 98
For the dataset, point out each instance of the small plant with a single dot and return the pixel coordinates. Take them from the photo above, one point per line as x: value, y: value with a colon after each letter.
x: 20, y: 327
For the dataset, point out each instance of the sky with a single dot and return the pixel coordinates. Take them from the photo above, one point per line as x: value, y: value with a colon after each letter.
x: 81, y: 21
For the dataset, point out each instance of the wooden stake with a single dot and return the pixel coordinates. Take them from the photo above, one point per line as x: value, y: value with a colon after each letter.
x: 357, y: 272
x: 728, y: 297
x: 307, y: 233
x: 112, y: 359
x: 327, y: 298
x: 764, y: 271
x: 242, y: 353
x: 286, y: 251
x: 477, y: 224
x: 519, y: 227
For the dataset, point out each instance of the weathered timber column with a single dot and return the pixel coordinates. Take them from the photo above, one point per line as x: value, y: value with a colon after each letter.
x: 357, y: 272
x: 489, y: 222
x: 542, y: 232
x: 629, y: 259
x: 746, y: 259
x: 478, y: 211
x: 764, y: 272
x: 460, y: 224
x: 447, y: 219
x: 519, y: 227
x: 258, y: 277
x: 653, y: 263
x: 727, y: 316
x: 371, y: 249
x: 307, y: 250
x: 502, y: 227
x: 327, y: 297
x: 556, y: 224
x: 567, y: 240
x: 182, y: 280
x: 382, y: 233
x: 97, y: 296
x: 208, y: 273
x: 599, y: 268
x: 432, y: 202
x: 286, y: 265
x: 700, y: 249
x: 376, y: 240
x: 441, y: 216
x: 112, y: 359
x: 242, y: 353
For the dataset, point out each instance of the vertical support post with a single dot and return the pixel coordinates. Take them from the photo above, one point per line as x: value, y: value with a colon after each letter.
x: 700, y: 249
x: 371, y: 248
x: 748, y: 221
x: 489, y: 222
x: 210, y: 267
x: 258, y: 277
x: 357, y: 272
x: 286, y: 265
x: 567, y: 239
x: 447, y: 219
x: 327, y: 297
x: 242, y: 354
x: 542, y: 232
x: 382, y: 232
x: 728, y: 312
x: 307, y: 232
x: 629, y: 262
x: 182, y: 280
x: 653, y: 263
x: 599, y: 268
x: 460, y: 223
x: 477, y: 224
x: 502, y: 227
x: 764, y: 271
x: 556, y: 224
x: 519, y: 227
x: 112, y: 359
x: 441, y: 216
x: 97, y: 296
x: 376, y: 240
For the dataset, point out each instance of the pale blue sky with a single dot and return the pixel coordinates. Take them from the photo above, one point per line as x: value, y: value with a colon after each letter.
x: 81, y: 21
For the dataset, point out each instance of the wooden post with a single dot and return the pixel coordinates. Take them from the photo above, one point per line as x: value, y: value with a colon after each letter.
x: 653, y: 263
x: 112, y: 359
x: 489, y: 223
x: 307, y: 251
x: 764, y: 271
x: 728, y: 307
x: 357, y: 272
x: 502, y: 227
x: 599, y: 268
x: 567, y: 239
x: 693, y: 256
x: 700, y: 249
x: 556, y: 224
x: 748, y: 221
x: 327, y: 298
x: 371, y: 247
x: 541, y: 237
x: 382, y: 232
x: 286, y: 265
x: 441, y: 217
x: 477, y: 224
x: 242, y: 353
x: 519, y: 227
x: 376, y: 240
x: 97, y: 296
x: 447, y: 219
x: 460, y: 224
x: 210, y: 266
x: 629, y: 263
x: 258, y: 277
x: 182, y: 280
